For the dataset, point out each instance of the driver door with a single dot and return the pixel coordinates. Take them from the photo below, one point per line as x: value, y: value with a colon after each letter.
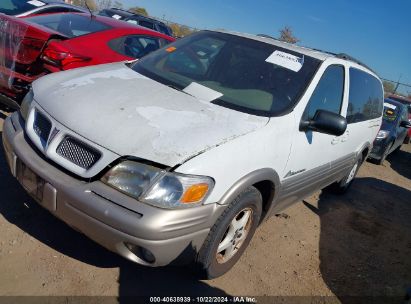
x: 309, y: 166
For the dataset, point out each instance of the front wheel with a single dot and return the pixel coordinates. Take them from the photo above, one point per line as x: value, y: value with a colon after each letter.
x: 342, y: 186
x: 230, y: 235
x: 385, y: 154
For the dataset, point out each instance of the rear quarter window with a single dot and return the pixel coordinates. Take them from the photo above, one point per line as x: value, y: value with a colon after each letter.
x: 70, y: 25
x: 365, y: 97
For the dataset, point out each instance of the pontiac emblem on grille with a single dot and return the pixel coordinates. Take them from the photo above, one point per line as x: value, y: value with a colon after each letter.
x: 52, y: 135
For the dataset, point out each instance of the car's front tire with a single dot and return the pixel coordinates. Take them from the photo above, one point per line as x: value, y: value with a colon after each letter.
x: 230, y: 235
x: 342, y: 186
x: 385, y: 153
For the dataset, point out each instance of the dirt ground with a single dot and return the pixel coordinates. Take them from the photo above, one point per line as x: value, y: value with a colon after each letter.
x: 358, y: 244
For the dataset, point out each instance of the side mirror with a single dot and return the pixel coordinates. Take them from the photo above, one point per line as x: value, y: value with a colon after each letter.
x: 405, y: 124
x: 325, y: 122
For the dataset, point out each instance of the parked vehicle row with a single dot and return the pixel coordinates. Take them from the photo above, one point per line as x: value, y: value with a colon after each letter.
x: 407, y: 102
x: 34, y: 46
x: 137, y: 19
x: 115, y: 13
x: 23, y: 8
x: 393, y: 130
x: 179, y: 156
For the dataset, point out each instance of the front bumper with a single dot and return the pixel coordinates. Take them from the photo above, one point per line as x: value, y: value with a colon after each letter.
x: 109, y: 217
x: 378, y: 148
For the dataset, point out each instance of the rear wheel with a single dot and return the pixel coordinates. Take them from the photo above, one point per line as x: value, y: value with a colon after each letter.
x: 230, y: 235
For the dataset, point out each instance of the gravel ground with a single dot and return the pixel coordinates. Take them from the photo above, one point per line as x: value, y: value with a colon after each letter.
x: 358, y: 244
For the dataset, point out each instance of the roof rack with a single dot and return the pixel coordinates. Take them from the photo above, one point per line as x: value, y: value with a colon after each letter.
x: 267, y: 36
x: 348, y: 57
x: 305, y: 47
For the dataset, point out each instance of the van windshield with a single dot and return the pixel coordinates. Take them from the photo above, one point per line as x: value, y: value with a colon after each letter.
x: 249, y: 75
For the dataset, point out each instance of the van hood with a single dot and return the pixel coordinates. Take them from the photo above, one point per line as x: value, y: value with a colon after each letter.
x: 132, y: 115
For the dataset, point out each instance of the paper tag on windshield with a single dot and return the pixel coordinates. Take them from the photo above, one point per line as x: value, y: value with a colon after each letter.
x: 36, y: 3
x: 286, y: 60
x: 202, y: 92
x: 118, y: 17
x: 388, y: 105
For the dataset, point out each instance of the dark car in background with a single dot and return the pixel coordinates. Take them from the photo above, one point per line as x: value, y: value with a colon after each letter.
x: 393, y: 130
x: 407, y: 102
x: 115, y: 13
x: 150, y: 23
x: 137, y: 19
x: 21, y: 8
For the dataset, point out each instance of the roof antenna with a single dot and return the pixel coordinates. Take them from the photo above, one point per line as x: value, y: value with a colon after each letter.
x: 91, y: 13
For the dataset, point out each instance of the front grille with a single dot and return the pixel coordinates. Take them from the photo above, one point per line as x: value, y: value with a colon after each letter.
x: 41, y: 126
x: 78, y: 152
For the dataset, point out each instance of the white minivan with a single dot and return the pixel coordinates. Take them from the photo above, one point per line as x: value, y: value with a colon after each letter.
x: 179, y: 157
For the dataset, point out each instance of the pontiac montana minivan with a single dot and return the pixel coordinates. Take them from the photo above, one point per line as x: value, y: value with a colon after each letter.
x: 178, y: 157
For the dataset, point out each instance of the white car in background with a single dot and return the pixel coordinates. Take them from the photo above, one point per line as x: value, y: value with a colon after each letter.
x: 180, y: 156
x: 22, y: 8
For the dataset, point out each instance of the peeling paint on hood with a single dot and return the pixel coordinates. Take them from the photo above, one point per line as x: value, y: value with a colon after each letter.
x: 131, y: 114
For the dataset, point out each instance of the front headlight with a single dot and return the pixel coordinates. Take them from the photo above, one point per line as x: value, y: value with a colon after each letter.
x: 382, y: 134
x: 158, y: 187
x: 26, y: 104
x: 131, y: 178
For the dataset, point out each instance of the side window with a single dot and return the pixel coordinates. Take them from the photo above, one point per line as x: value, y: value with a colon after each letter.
x: 146, y: 24
x: 366, y: 97
x: 163, y: 29
x: 134, y: 46
x: 328, y: 94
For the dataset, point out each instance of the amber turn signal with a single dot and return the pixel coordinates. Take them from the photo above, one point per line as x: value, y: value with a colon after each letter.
x: 170, y: 49
x: 194, y: 193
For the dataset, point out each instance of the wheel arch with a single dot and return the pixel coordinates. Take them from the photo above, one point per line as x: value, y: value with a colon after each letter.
x: 364, y: 150
x: 267, y: 182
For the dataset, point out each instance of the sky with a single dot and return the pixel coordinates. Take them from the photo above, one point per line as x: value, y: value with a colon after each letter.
x: 377, y: 32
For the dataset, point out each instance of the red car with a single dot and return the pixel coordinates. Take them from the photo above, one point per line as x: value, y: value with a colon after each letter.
x: 34, y: 46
